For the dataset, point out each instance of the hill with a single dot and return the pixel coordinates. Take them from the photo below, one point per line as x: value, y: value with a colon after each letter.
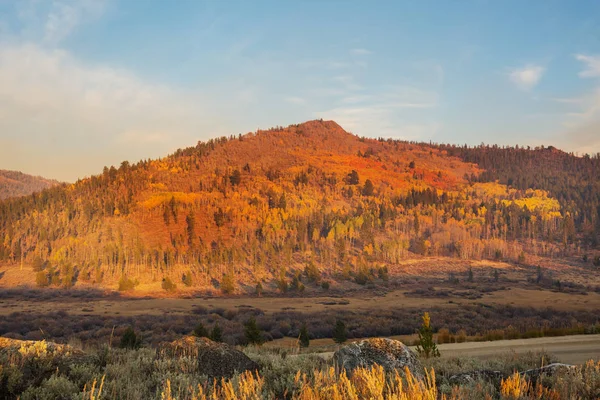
x: 15, y: 184
x: 289, y: 208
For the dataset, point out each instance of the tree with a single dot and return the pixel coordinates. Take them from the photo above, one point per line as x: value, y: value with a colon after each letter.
x: 200, y: 330
x: 259, y: 289
x: 303, y: 337
x: 352, y: 178
x: 411, y: 165
x: 368, y: 188
x: 252, y: 332
x: 235, y: 178
x: 339, y: 332
x: 190, y: 220
x: 427, y: 346
x: 470, y: 275
x: 38, y: 264
x: 227, y: 284
x: 216, y: 334
x: 41, y: 279
x: 129, y: 340
x: 312, y: 272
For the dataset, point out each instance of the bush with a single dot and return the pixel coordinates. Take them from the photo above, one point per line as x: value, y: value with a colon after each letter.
x: 228, y: 284
x: 216, y: 334
x: 325, y: 285
x: 130, y: 340
x: 126, y: 284
x: 427, y: 346
x: 187, y: 279
x: 200, y: 330
x: 41, y: 279
x: 168, y: 285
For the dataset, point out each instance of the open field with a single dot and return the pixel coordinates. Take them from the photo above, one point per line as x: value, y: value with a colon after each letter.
x: 574, y: 349
x: 360, y: 302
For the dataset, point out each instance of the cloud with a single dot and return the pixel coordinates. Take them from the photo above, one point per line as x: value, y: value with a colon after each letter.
x: 51, y: 22
x: 387, y: 112
x: 62, y: 105
x: 592, y: 66
x: 295, y: 100
x: 360, y: 52
x: 528, y: 77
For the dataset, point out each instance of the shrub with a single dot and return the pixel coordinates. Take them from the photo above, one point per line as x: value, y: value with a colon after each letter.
x: 130, y: 340
x: 325, y: 285
x: 126, y: 284
x: 216, y: 334
x: 200, y: 330
x: 168, y: 285
x: 228, y: 284
x: 187, y: 279
x: 312, y: 272
x: 41, y: 279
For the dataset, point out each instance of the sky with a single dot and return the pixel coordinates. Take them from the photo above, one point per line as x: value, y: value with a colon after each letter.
x: 89, y: 83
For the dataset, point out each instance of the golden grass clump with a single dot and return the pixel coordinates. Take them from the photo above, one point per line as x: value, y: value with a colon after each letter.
x: 365, y: 383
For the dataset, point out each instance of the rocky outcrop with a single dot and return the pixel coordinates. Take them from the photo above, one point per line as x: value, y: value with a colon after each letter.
x: 388, y: 353
x: 547, y: 370
x: 215, y: 360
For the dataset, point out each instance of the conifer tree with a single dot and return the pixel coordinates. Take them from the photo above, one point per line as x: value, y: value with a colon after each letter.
x: 427, y: 346
x: 303, y: 338
x: 252, y: 332
x: 216, y: 334
x: 339, y: 332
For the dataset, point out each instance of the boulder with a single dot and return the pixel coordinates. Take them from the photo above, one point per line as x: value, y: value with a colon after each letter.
x: 547, y: 370
x: 215, y: 360
x: 390, y: 354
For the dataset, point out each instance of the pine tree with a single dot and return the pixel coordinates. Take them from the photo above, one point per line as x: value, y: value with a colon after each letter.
x: 339, y: 332
x: 427, y: 346
x: 252, y: 332
x: 216, y: 335
x: 129, y: 340
x: 200, y: 330
x: 303, y: 337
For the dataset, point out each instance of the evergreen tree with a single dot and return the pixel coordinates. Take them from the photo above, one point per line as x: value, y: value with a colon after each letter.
x: 252, y: 332
x: 427, y: 346
x: 339, y: 332
x: 303, y: 337
x: 216, y: 335
x: 200, y: 330
x: 129, y: 340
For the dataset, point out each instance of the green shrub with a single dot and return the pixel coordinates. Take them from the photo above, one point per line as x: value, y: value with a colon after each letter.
x: 130, y: 340
x: 126, y: 284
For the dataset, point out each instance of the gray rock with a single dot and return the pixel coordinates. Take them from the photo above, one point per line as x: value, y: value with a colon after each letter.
x: 548, y: 370
x: 215, y: 360
x: 390, y: 354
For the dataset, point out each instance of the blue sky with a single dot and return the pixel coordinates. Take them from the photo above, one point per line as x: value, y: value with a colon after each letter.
x: 90, y: 83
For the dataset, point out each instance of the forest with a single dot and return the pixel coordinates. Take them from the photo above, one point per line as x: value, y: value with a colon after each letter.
x: 308, y: 203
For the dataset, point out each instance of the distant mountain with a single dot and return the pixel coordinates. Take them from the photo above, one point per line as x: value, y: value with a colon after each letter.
x: 288, y: 208
x: 15, y: 184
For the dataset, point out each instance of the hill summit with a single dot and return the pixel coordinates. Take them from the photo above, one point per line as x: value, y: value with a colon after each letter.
x: 278, y: 209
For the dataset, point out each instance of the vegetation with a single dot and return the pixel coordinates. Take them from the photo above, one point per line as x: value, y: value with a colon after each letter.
x: 303, y: 337
x: 339, y: 332
x: 140, y: 374
x: 427, y: 347
x: 263, y: 206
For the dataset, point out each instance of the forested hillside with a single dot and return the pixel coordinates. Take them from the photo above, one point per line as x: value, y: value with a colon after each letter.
x: 261, y: 209
x: 15, y: 184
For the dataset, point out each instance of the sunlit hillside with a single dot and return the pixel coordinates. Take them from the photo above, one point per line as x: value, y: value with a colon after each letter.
x: 284, y: 209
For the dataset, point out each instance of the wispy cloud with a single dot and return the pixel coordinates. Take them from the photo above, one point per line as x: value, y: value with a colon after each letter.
x: 527, y: 77
x: 295, y: 100
x: 592, y: 64
x: 61, y: 104
x: 360, y: 52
